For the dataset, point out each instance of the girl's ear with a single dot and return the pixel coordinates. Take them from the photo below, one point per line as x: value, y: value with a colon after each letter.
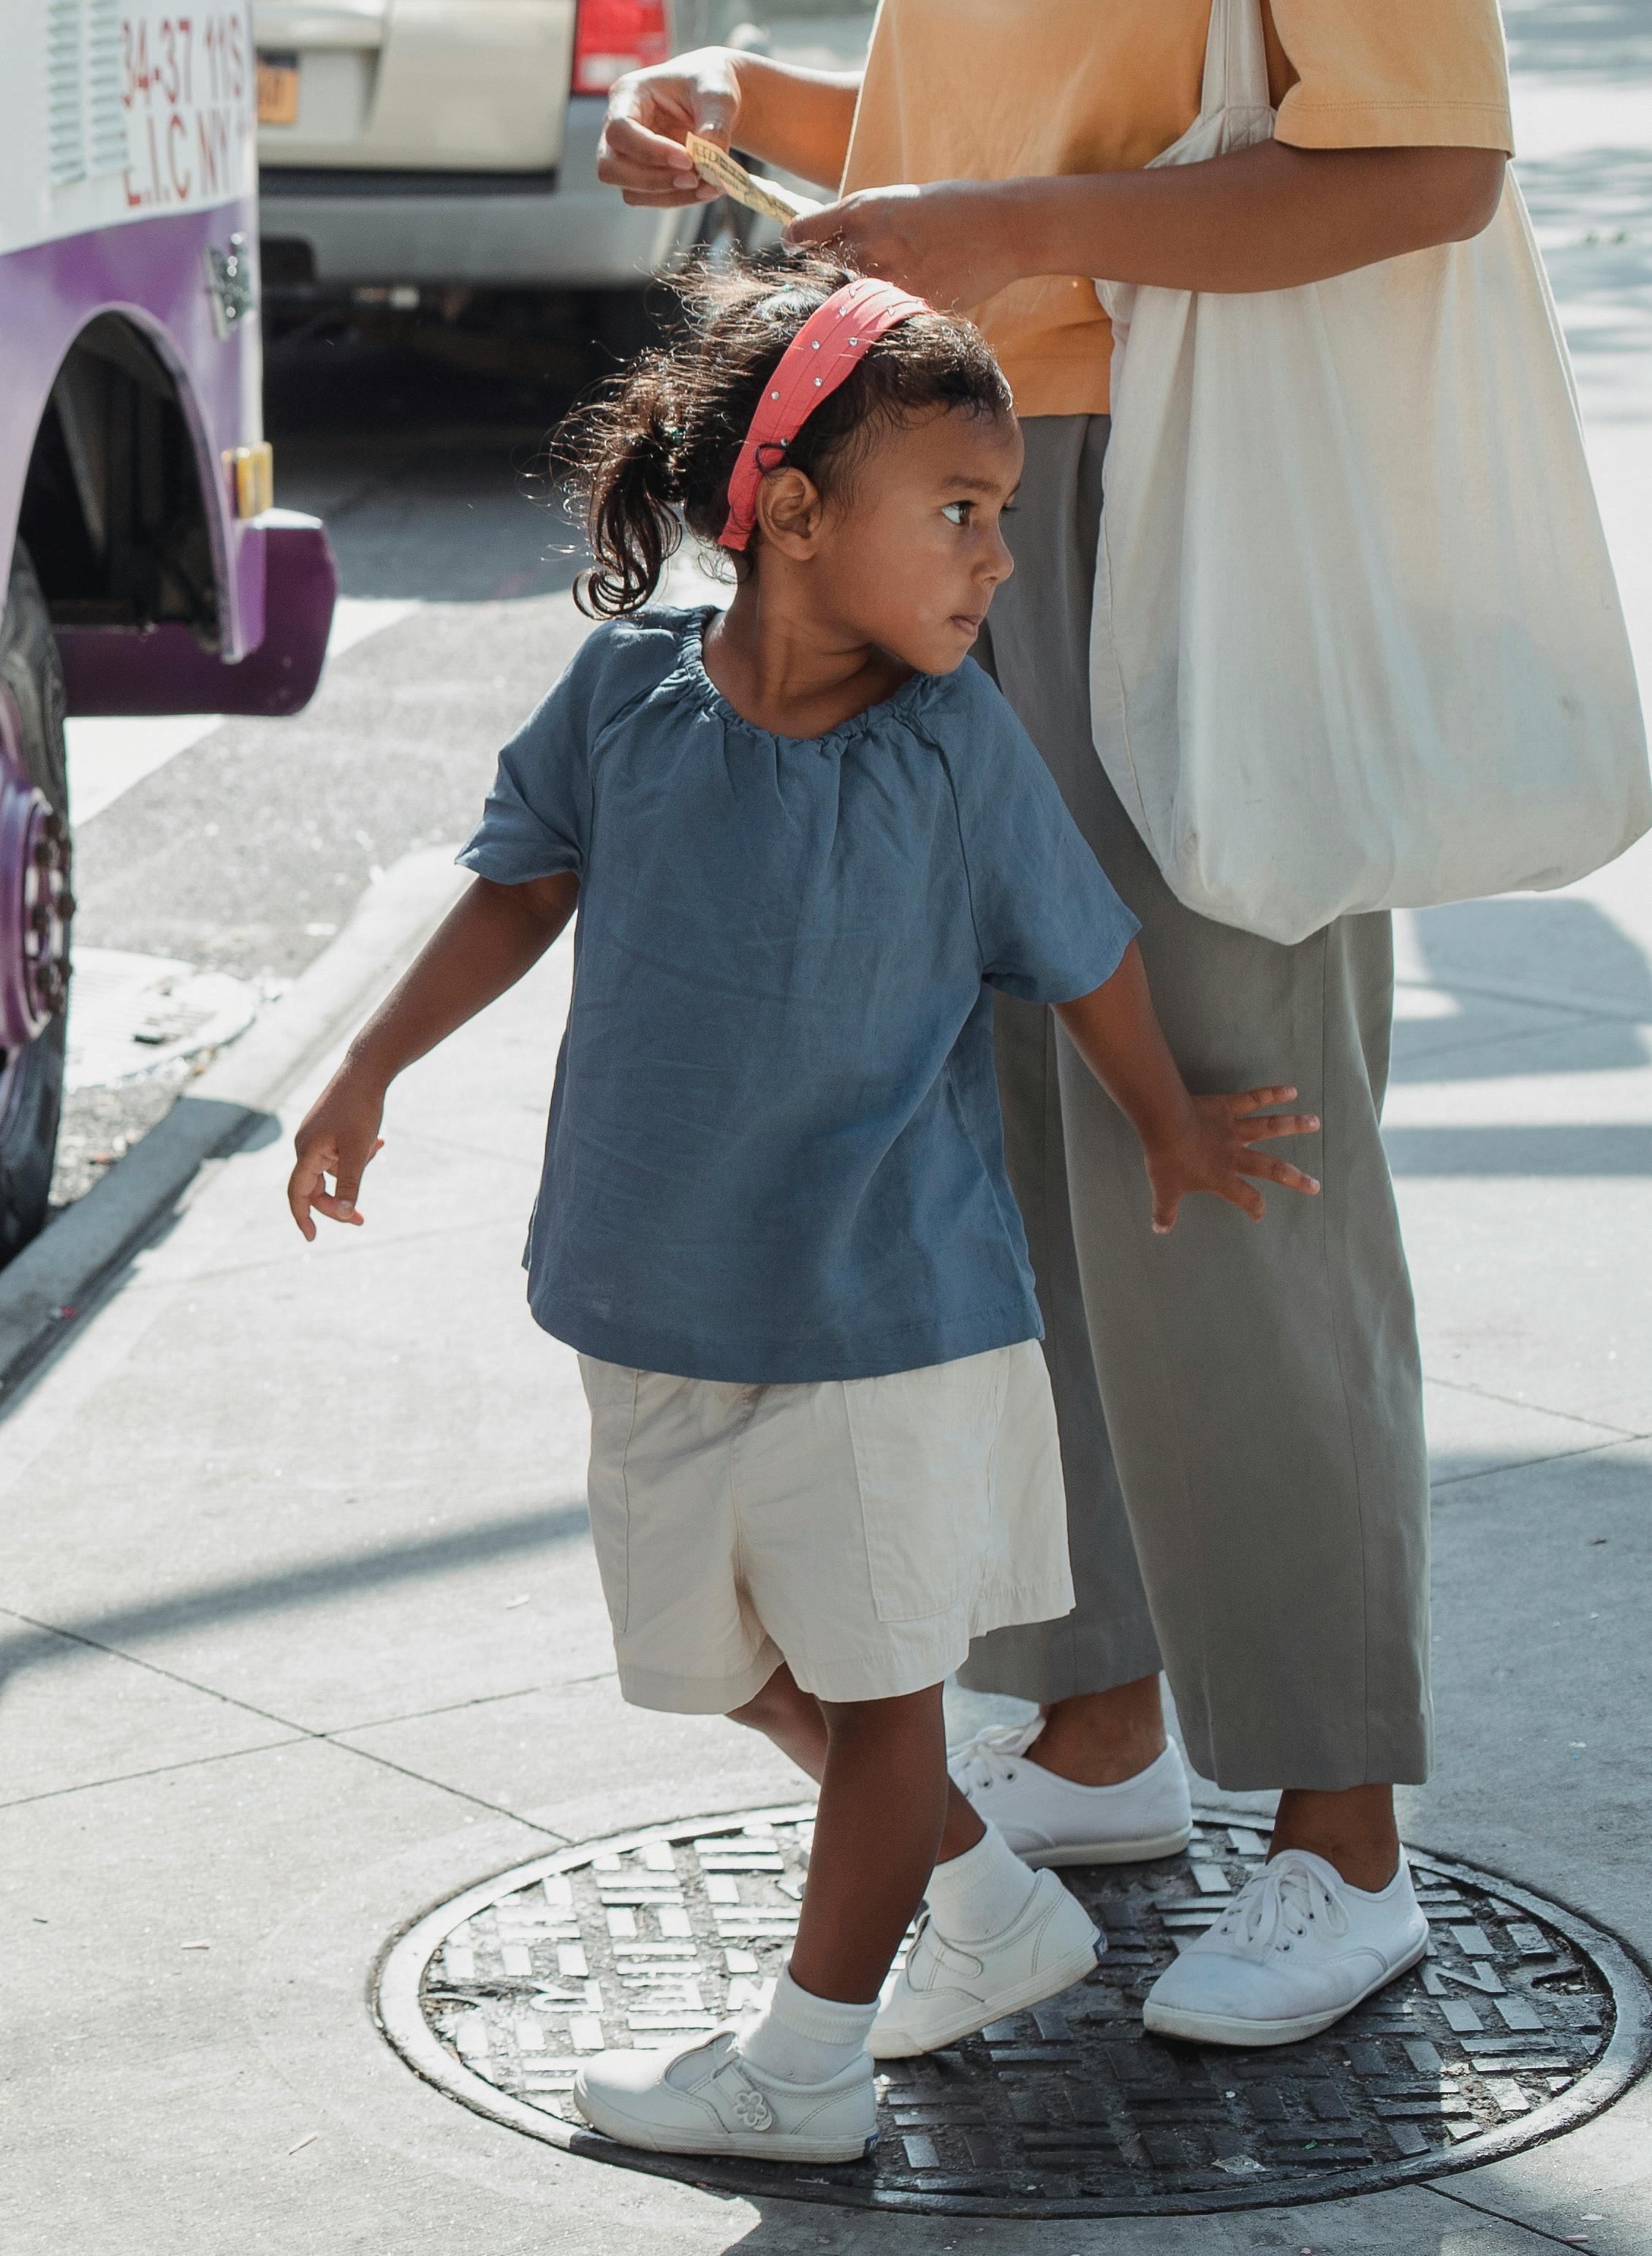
x: 790, y: 513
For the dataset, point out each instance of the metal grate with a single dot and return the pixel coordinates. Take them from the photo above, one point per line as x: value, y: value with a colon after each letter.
x: 86, y: 117
x: 65, y: 90
x: 1521, y: 2019
x: 105, y: 81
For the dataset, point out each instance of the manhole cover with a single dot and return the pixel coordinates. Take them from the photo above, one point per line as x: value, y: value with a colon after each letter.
x: 1522, y: 2020
x: 132, y: 1017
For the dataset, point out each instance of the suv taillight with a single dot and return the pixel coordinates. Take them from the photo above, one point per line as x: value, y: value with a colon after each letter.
x: 612, y: 37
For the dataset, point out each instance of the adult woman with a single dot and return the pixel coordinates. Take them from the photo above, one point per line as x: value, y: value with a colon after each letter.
x: 992, y: 159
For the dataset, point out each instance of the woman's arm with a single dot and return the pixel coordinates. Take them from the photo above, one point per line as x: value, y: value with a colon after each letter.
x: 1264, y: 218
x: 1189, y: 1143
x: 492, y: 935
x: 797, y: 119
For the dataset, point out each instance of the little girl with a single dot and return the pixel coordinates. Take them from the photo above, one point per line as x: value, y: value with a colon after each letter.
x: 806, y: 840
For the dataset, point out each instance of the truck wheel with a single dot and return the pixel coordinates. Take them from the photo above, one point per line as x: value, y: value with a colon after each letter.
x: 35, y: 907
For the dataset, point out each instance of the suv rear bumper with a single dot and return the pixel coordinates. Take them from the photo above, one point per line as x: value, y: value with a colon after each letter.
x: 568, y: 231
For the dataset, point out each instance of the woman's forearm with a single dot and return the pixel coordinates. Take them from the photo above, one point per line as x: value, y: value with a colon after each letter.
x: 1264, y: 218
x: 1267, y: 217
x: 795, y: 119
x: 488, y: 940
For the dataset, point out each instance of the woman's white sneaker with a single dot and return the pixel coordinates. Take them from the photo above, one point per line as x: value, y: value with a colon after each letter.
x: 1049, y: 1820
x: 1296, y: 1949
x: 947, y: 1991
x: 709, y: 2099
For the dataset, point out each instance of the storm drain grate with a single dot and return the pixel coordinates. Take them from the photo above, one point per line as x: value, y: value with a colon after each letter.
x: 1522, y: 2020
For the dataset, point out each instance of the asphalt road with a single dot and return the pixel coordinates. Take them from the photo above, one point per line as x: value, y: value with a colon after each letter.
x: 245, y: 852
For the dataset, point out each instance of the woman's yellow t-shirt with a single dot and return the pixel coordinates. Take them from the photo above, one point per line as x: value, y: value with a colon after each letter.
x: 1002, y: 89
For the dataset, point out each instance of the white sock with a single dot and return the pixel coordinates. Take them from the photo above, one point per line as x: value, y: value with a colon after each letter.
x: 803, y: 2039
x: 982, y: 1892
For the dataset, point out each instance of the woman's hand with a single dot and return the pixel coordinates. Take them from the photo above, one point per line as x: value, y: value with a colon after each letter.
x: 945, y: 241
x: 1266, y: 217
x: 650, y: 113
x: 1214, y: 1149
x: 338, y: 1137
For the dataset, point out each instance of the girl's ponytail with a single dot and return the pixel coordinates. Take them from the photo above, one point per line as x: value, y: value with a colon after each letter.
x: 628, y: 471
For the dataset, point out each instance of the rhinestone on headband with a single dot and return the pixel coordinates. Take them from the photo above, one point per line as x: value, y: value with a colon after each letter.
x: 781, y: 414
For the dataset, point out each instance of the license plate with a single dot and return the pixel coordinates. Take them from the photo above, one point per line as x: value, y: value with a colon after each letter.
x: 278, y: 89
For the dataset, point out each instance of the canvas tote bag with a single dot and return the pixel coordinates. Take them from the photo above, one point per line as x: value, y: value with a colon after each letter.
x: 1356, y: 641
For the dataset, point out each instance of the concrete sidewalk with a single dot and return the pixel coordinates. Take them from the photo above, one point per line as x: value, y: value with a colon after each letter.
x: 303, y: 1633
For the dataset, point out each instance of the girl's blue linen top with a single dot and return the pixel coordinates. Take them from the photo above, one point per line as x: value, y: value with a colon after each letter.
x: 774, y: 1150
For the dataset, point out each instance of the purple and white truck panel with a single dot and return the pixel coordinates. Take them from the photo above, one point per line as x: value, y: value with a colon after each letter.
x: 128, y: 187
x: 142, y: 567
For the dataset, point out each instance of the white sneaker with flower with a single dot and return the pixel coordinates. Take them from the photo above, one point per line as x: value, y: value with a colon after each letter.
x: 1049, y: 1820
x: 1296, y: 1948
x: 946, y: 1990
x: 707, y: 2098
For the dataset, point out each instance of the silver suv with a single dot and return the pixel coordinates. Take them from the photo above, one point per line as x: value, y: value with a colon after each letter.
x: 413, y: 149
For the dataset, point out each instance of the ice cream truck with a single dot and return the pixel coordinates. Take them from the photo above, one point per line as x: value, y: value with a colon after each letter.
x: 143, y: 567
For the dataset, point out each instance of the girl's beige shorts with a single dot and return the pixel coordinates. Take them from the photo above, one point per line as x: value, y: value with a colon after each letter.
x: 862, y: 1530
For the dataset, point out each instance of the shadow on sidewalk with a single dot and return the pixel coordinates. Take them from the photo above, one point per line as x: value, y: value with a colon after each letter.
x: 122, y: 1627
x: 1588, y: 1151
x: 1480, y: 953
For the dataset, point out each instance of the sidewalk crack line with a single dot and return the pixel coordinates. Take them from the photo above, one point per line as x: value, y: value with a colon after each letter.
x: 1501, y: 2217
x: 300, y: 1732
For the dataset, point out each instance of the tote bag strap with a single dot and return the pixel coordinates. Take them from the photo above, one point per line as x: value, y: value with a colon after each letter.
x: 1235, y: 58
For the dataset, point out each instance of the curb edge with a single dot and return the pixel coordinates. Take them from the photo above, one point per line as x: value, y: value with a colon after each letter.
x: 76, y: 1255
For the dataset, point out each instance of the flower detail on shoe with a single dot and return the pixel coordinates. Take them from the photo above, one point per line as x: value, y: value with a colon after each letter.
x: 704, y: 2099
x: 751, y: 2109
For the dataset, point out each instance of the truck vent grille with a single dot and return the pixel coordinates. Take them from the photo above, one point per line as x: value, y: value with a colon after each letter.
x: 86, y: 120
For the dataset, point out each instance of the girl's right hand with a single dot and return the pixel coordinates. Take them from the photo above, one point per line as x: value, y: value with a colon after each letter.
x: 338, y: 1136
x: 651, y: 111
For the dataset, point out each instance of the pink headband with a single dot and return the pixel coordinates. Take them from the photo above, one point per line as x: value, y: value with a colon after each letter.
x: 827, y: 348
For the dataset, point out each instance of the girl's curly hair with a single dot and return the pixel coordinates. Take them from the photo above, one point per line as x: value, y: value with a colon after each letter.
x: 653, y: 449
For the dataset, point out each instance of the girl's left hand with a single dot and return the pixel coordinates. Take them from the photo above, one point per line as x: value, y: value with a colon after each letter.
x: 943, y: 241
x: 1215, y: 1151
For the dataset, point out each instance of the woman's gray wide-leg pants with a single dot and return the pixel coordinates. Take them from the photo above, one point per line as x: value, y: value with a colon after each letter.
x: 1240, y: 1403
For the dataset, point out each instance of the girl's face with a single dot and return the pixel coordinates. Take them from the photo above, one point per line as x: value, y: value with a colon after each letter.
x: 909, y: 553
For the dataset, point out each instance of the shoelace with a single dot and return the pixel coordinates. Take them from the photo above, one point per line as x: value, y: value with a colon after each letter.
x: 1274, y: 1905
x: 989, y: 1758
